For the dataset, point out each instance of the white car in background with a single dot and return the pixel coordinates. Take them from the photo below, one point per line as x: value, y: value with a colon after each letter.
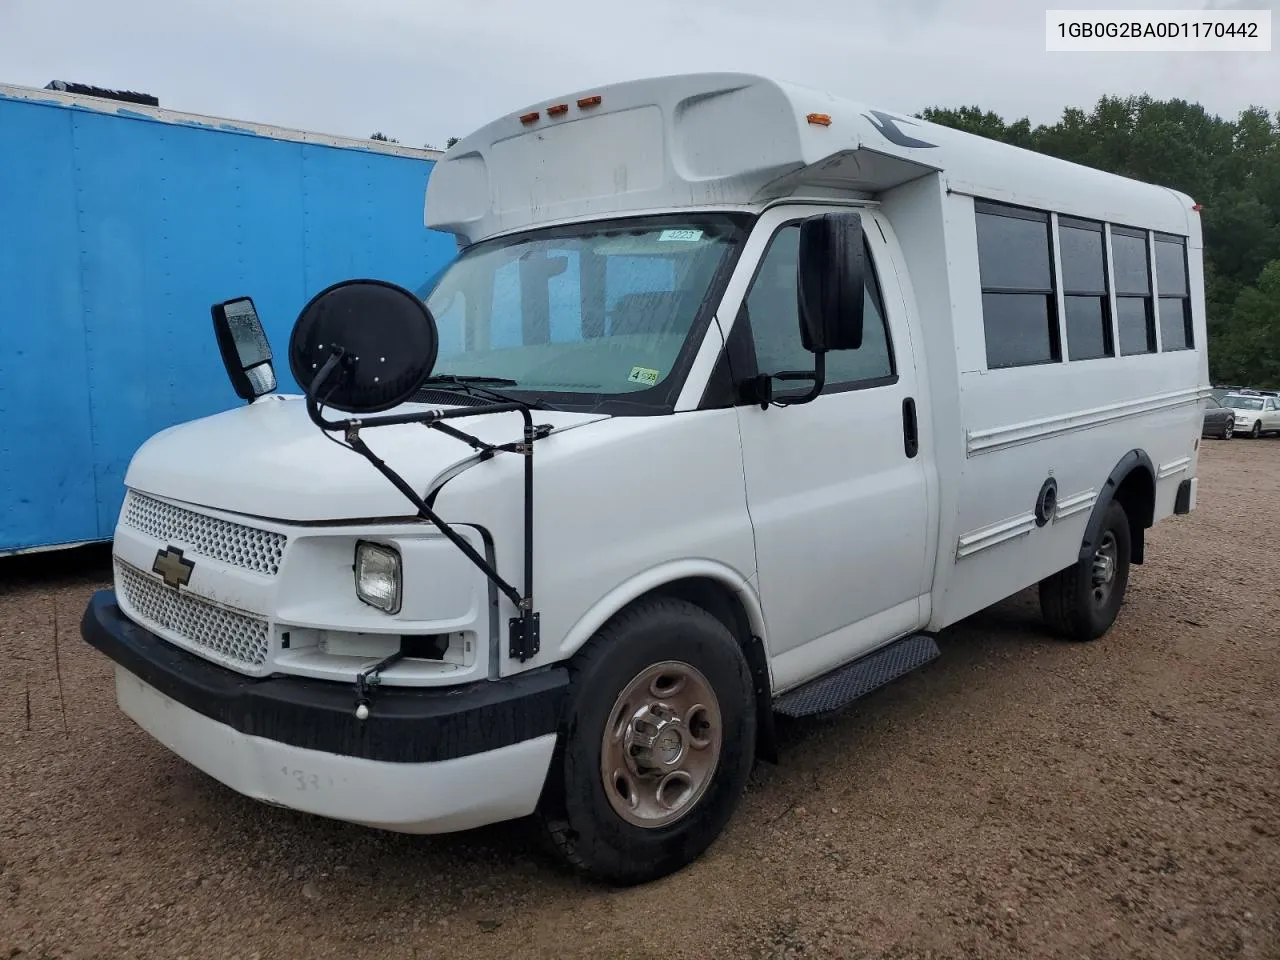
x: 1255, y: 415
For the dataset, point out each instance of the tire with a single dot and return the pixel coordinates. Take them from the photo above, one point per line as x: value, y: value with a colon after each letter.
x: 1072, y: 603
x: 1229, y: 430
x: 581, y: 808
x: 1256, y: 432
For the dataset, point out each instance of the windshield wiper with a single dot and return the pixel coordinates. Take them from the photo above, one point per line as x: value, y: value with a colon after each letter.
x: 476, y: 387
x: 456, y: 378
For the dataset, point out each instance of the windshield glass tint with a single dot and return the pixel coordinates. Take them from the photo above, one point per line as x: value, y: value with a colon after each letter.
x: 1244, y: 403
x: 601, y: 308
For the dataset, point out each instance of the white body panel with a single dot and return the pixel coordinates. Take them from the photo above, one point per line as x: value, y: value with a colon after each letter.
x: 833, y: 539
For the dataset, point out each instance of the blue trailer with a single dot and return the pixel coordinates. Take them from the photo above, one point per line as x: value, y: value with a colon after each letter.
x: 120, y: 224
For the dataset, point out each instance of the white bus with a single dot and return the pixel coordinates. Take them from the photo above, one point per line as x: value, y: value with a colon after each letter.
x: 805, y: 382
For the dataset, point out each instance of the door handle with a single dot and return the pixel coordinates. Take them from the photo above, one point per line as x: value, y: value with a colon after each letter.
x: 910, y: 435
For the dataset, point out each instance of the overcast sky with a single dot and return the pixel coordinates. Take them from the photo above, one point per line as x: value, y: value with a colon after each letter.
x: 424, y: 70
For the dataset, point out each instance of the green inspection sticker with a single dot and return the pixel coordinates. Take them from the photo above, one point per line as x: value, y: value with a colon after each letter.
x: 643, y: 375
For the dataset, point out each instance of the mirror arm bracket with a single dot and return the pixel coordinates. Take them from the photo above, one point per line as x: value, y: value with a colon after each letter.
x: 524, y: 629
x: 759, y: 389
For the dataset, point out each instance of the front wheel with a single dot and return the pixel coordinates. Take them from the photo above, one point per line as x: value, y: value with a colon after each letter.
x: 656, y: 746
x: 1082, y: 601
x: 1256, y: 432
x: 1229, y: 430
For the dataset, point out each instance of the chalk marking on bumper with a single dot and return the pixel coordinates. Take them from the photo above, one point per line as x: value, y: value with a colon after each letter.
x: 435, y: 797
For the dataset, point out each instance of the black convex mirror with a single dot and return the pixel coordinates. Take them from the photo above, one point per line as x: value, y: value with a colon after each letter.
x: 381, y: 339
x: 829, y: 282
x: 246, y: 353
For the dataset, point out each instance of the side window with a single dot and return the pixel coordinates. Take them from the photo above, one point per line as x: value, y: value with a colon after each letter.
x: 1019, y: 302
x: 1134, y: 313
x: 1084, y: 289
x: 1175, y: 296
x: 773, y: 312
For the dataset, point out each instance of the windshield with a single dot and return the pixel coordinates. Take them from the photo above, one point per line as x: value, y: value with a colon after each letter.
x: 1243, y: 403
x: 584, y: 312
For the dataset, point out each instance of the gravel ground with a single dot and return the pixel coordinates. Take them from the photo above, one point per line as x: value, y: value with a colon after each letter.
x: 1022, y: 797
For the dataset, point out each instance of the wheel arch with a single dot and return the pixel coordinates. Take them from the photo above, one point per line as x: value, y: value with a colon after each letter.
x: 1132, y: 484
x: 719, y: 590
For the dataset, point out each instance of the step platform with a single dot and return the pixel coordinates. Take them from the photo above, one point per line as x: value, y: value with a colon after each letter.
x: 847, y: 683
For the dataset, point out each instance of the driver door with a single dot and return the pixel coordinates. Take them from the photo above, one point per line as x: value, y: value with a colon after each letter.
x: 836, y: 487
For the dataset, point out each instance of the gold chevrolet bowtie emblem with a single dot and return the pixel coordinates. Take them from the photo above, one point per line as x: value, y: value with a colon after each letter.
x: 173, y: 567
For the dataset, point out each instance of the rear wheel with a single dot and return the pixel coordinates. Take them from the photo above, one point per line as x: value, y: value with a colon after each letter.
x: 656, y: 747
x: 1082, y: 602
x: 1229, y: 430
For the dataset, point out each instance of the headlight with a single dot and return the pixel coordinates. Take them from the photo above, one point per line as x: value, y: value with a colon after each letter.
x: 378, y: 576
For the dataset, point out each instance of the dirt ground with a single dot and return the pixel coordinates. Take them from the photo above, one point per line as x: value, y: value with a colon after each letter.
x: 1021, y: 797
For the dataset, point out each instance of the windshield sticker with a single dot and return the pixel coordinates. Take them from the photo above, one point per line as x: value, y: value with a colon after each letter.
x: 643, y: 375
x: 685, y: 235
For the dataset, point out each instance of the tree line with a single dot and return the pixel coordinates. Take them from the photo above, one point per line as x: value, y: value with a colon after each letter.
x: 1231, y: 167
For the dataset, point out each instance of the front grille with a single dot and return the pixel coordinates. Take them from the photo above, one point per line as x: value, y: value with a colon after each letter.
x: 234, y: 639
x: 258, y: 550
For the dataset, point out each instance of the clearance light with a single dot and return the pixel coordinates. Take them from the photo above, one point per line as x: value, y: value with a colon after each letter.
x: 1197, y: 207
x: 589, y: 102
x: 819, y: 119
x: 558, y: 109
x: 529, y: 118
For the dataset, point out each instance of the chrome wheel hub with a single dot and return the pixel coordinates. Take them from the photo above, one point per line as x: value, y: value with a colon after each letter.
x: 1104, y: 567
x: 662, y: 745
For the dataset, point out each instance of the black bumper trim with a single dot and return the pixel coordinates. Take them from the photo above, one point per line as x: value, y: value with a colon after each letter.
x: 405, y: 724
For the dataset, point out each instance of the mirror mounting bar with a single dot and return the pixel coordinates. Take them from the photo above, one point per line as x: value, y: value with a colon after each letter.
x: 759, y: 389
x: 525, y: 635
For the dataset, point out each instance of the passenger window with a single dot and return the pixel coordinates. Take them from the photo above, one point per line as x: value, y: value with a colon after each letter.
x: 1084, y: 289
x: 1175, y: 297
x: 1134, y: 314
x: 1019, y: 302
x: 773, y: 313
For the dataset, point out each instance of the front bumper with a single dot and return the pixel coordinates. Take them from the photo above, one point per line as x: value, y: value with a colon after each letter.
x: 426, y: 760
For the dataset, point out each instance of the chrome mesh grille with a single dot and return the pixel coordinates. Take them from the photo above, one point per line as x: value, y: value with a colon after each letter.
x: 258, y: 550
x: 234, y: 639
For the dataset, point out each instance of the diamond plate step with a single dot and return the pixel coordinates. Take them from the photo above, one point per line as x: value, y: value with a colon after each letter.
x: 842, y: 686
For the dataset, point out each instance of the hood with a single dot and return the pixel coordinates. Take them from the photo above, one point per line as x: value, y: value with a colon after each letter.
x: 268, y: 459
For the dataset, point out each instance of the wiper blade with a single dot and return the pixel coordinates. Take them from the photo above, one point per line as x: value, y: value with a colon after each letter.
x: 473, y: 386
x: 455, y: 378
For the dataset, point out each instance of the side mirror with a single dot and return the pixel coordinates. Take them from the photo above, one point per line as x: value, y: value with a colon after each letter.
x: 245, y: 351
x: 829, y: 282
x: 363, y: 346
